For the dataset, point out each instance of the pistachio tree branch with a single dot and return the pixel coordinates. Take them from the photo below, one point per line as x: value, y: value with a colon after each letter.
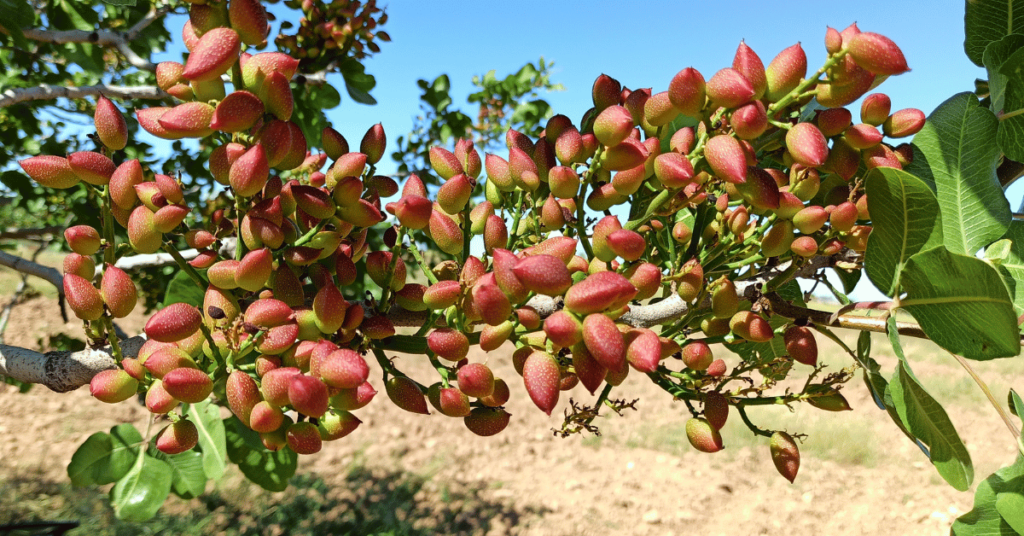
x: 25, y: 266
x: 12, y: 96
x: 61, y: 371
x: 148, y: 260
x: 103, y: 38
x: 34, y: 232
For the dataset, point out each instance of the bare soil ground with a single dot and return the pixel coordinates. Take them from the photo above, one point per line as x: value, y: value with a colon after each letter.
x: 858, y: 475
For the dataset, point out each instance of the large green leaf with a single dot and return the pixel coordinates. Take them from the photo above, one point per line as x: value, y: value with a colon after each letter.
x: 984, y: 519
x: 139, y: 495
x: 206, y: 417
x: 986, y: 21
x: 905, y: 220
x: 961, y: 303
x: 105, y: 458
x: 1004, y: 60
x: 270, y: 470
x: 1012, y: 266
x: 925, y: 419
x: 958, y: 143
x: 188, y: 480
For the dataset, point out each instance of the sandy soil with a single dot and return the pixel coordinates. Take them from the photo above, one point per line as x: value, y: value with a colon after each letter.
x: 859, y: 475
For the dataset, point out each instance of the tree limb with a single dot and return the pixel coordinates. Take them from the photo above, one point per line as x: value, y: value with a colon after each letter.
x: 824, y: 318
x: 148, y: 260
x: 13, y: 232
x: 61, y: 371
x: 52, y: 275
x: 103, y: 38
x: 13, y: 96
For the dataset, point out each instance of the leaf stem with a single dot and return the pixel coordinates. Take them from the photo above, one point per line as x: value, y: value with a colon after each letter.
x: 185, y: 266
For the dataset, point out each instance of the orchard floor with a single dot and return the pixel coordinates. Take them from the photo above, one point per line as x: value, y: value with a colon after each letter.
x: 408, y: 473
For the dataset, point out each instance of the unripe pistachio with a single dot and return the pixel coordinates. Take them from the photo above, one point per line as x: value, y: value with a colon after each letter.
x: 784, y: 72
x: 110, y: 124
x: 687, y: 92
x: 729, y: 88
x: 903, y: 123
x: 877, y: 54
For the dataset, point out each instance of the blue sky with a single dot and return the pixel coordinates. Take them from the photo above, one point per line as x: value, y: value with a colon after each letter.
x: 642, y: 44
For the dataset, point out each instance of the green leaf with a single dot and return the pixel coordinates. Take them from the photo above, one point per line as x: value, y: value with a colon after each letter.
x: 875, y: 382
x: 961, y: 304
x: 183, y: 290
x: 1001, y: 59
x: 142, y: 492
x: 925, y: 419
x: 1011, y: 508
x: 324, y: 97
x: 270, y: 470
x: 984, y: 518
x: 357, y: 82
x: 849, y: 279
x: 905, y: 221
x: 958, y: 143
x: 1016, y: 405
x: 1011, y: 267
x: 999, y: 251
x: 15, y: 15
x: 1004, y: 60
x: 206, y: 417
x: 986, y: 21
x: 105, y: 458
x: 187, y: 477
x: 80, y: 19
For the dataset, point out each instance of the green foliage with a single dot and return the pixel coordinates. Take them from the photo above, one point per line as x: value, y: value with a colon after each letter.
x: 206, y: 417
x: 270, y: 470
x: 924, y: 418
x: 359, y: 500
x: 182, y: 289
x: 105, y: 458
x: 961, y: 303
x: 995, y: 502
x: 139, y: 494
x: 959, y: 147
x: 188, y: 480
x: 987, y: 21
x: 1004, y: 61
x: 512, y: 102
x: 1011, y: 267
x: 905, y: 220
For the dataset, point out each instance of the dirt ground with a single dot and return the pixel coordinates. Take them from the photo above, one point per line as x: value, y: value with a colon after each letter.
x: 858, y: 474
